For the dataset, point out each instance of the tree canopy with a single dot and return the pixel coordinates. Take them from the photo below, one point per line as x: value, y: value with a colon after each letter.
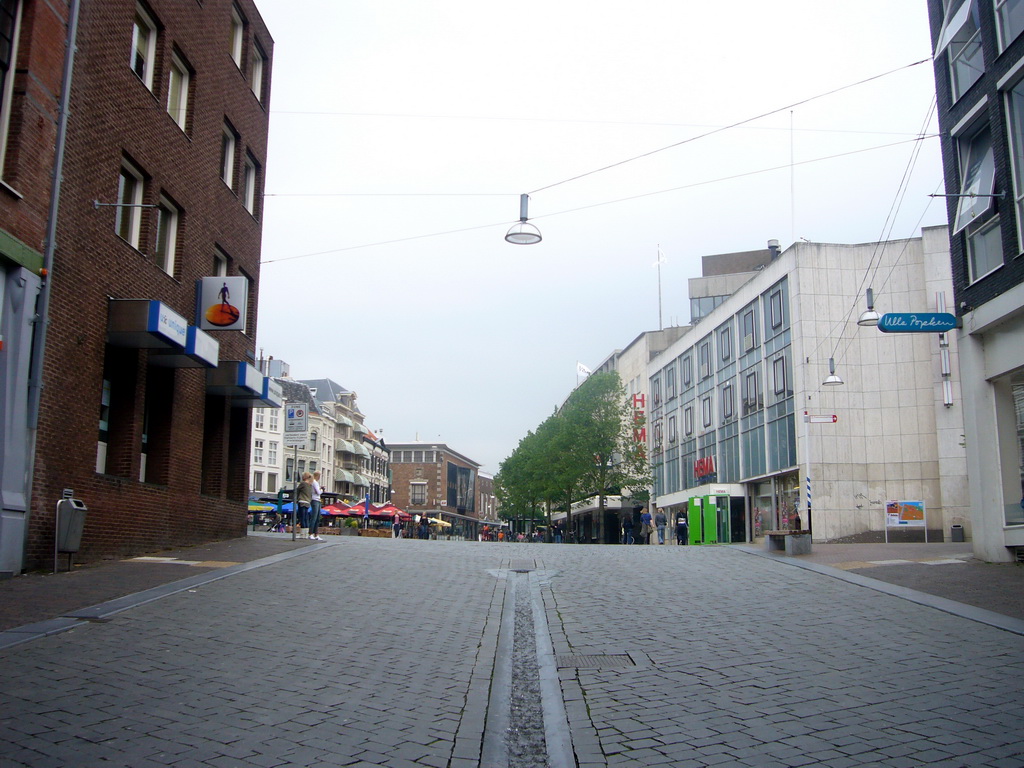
x: 586, y: 448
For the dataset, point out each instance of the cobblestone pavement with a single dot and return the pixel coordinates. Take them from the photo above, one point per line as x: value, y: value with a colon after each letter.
x: 370, y: 652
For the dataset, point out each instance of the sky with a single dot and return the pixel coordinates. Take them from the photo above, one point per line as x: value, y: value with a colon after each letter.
x: 403, y: 132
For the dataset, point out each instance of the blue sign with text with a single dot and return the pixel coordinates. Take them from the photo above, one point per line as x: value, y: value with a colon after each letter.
x: 916, y: 322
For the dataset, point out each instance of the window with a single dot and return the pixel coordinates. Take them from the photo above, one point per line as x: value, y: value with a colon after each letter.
x: 237, y: 36
x: 257, y: 452
x: 670, y: 382
x: 978, y: 175
x: 688, y: 420
x: 656, y: 392
x: 289, y: 469
x: 1009, y: 20
x: 257, y: 481
x: 673, y: 431
x: 10, y: 22
x: 258, y: 63
x: 961, y: 35
x: 749, y: 330
x: 751, y: 393
x: 705, y: 359
x: 272, y: 453
x: 705, y: 407
x: 249, y: 178
x: 984, y: 249
x: 129, y: 200
x: 779, y: 374
x: 271, y: 482
x: 312, y: 441
x: 687, y: 370
x: 728, y: 406
x: 302, y: 469
x: 257, y: 418
x: 166, y: 235
x: 227, y: 156
x: 725, y: 343
x: 220, y: 263
x: 273, y: 423
x: 1015, y: 129
x: 418, y: 494
x: 775, y: 308
x: 177, y: 91
x: 143, y: 46
x: 104, y: 436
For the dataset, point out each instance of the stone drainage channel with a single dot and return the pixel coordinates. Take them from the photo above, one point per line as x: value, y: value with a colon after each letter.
x: 526, y: 723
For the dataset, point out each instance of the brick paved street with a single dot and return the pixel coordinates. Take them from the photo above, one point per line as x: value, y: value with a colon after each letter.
x: 371, y: 652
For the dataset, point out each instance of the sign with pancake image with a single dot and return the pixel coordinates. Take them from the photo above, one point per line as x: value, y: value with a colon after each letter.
x: 222, y: 303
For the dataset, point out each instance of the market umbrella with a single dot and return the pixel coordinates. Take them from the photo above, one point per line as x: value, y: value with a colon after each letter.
x: 389, y: 511
x: 255, y: 506
x: 439, y: 521
x: 340, y: 510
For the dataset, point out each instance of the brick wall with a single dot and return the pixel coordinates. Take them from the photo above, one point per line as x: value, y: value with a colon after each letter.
x: 199, y: 491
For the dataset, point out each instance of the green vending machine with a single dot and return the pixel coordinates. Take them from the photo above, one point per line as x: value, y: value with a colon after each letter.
x: 710, y: 521
x: 694, y: 519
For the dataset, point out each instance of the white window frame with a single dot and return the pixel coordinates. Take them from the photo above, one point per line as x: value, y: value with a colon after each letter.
x: 257, y: 481
x: 706, y: 411
x: 749, y: 318
x: 728, y: 403
x: 977, y: 177
x: 273, y: 421
x: 177, y: 95
x: 128, y: 217
x: 688, y: 420
x: 725, y: 342
x: 258, y: 418
x: 237, y: 35
x: 146, y: 49
x: 1009, y: 21
x: 673, y: 430
x: 259, y: 65
x: 250, y: 176
x: 7, y: 89
x: 977, y: 236
x: 962, y: 36
x: 704, y: 359
x: 687, y: 370
x: 1014, y: 101
x: 220, y: 263
x: 272, y: 453
x: 228, y: 143
x: 257, y: 451
x: 168, y: 219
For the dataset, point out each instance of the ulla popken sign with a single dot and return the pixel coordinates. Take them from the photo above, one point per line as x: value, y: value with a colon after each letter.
x: 916, y: 322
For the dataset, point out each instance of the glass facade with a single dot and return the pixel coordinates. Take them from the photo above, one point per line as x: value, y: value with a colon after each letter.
x: 734, y: 402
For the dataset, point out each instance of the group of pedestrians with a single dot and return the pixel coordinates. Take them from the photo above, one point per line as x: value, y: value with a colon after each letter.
x: 651, y: 525
x: 307, y: 502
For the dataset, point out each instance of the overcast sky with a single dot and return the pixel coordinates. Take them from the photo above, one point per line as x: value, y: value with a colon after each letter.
x: 404, y: 131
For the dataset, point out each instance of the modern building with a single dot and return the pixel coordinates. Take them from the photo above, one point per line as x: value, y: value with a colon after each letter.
x: 434, y: 480
x: 631, y: 364
x: 139, y: 404
x: 743, y: 421
x: 979, y: 84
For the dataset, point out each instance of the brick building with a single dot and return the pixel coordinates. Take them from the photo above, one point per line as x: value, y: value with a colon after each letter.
x: 433, y: 479
x: 147, y: 375
x: 979, y: 84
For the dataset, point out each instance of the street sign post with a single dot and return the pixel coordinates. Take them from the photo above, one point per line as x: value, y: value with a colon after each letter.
x: 296, y: 427
x: 826, y: 418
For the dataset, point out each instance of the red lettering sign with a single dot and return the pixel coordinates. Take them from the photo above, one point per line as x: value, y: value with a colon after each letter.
x: 640, y: 435
x: 639, y: 400
x: 704, y: 467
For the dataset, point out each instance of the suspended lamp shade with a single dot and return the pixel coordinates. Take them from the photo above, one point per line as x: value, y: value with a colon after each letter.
x: 523, y: 233
x: 869, y: 316
x: 831, y: 380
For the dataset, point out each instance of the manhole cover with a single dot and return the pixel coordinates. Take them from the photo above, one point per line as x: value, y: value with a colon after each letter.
x: 595, y: 661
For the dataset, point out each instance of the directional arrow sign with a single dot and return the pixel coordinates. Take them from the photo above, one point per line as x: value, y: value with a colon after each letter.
x: 916, y: 322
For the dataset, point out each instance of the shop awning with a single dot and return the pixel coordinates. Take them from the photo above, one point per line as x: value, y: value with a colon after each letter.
x: 361, y: 479
x: 272, y: 396
x: 342, y: 474
x: 145, y: 324
x: 201, y: 351
x: 236, y: 379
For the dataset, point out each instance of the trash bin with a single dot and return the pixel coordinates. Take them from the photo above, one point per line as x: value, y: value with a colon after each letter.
x: 70, y: 522
x: 958, y: 532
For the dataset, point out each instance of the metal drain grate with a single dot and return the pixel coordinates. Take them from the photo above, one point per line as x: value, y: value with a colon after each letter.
x: 1020, y: 554
x: 596, y: 661
x: 521, y: 566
